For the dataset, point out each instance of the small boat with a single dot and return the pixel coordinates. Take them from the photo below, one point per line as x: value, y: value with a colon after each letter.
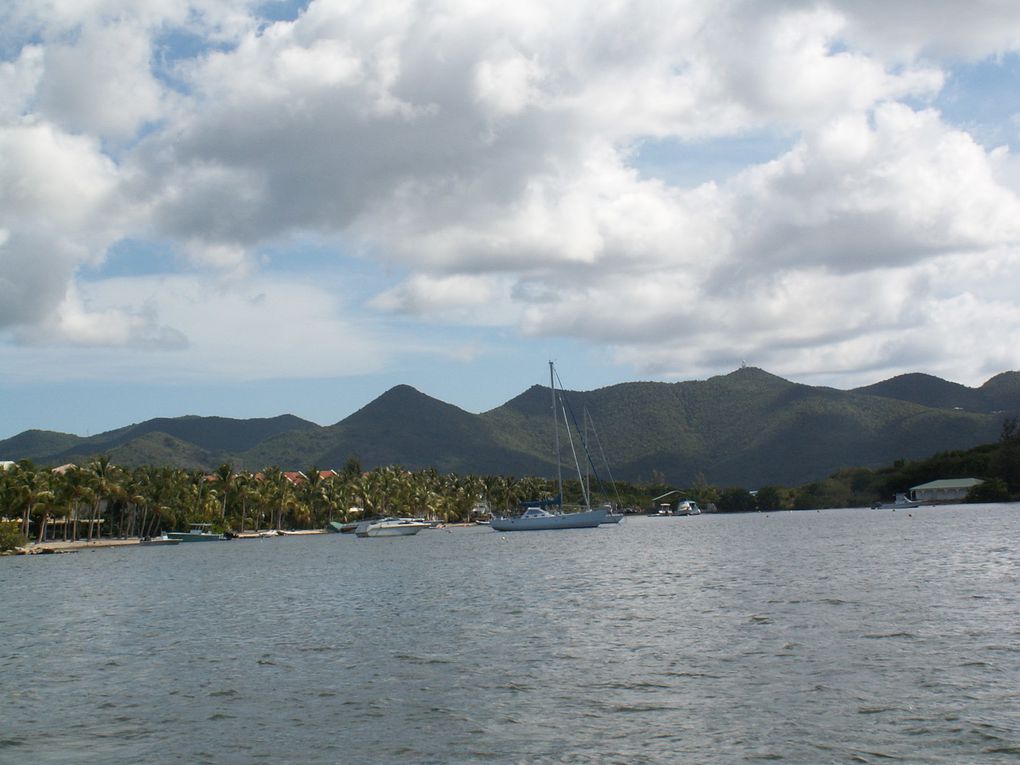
x: 254, y: 534
x: 390, y: 527
x: 199, y: 533
x: 902, y: 500
x: 688, y: 507
x: 344, y: 528
x: 162, y: 539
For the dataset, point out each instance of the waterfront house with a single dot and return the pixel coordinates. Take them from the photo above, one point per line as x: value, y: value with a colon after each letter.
x: 944, y: 490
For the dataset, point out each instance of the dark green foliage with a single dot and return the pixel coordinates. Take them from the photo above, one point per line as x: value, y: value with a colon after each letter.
x: 769, y: 498
x: 1005, y: 462
x: 735, y: 500
x: 1000, y: 394
x: 10, y: 536
x: 992, y: 490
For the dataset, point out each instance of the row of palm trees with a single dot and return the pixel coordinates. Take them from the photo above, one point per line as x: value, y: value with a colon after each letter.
x: 100, y: 498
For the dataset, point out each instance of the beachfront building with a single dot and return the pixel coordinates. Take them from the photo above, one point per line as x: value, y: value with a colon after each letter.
x: 944, y: 490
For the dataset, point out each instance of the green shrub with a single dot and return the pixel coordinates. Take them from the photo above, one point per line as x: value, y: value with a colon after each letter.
x: 992, y: 490
x: 10, y: 536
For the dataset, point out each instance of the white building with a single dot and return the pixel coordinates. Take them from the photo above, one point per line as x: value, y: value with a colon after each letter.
x: 944, y: 490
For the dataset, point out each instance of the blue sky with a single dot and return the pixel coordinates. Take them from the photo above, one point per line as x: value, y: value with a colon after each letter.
x: 258, y: 208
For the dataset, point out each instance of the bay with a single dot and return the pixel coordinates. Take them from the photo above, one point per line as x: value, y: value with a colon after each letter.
x: 808, y: 637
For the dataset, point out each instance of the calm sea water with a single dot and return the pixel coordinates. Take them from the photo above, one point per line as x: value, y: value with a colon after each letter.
x: 842, y: 636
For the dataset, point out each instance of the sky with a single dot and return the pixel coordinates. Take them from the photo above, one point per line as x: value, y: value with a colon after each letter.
x: 247, y: 208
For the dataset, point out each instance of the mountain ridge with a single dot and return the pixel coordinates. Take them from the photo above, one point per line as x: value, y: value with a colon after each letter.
x: 748, y: 427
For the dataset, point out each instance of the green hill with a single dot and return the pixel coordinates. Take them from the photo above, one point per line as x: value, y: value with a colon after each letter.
x: 38, y: 445
x: 1002, y: 393
x: 999, y: 394
x: 155, y: 448
x: 746, y: 428
x: 208, y: 435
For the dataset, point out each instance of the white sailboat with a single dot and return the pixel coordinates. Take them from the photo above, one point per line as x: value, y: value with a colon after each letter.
x: 537, y: 518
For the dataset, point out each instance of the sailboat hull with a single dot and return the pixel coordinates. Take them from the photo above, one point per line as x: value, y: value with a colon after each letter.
x: 586, y: 519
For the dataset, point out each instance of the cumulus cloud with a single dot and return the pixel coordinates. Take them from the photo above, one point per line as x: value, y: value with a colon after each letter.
x: 181, y: 330
x: 81, y: 78
x: 483, y: 159
x: 59, y: 210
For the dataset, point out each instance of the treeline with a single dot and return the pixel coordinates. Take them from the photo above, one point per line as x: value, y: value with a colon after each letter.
x: 997, y: 464
x: 100, y: 498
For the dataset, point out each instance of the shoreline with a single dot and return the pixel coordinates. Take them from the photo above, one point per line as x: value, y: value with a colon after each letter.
x: 44, y: 548
x: 55, y: 547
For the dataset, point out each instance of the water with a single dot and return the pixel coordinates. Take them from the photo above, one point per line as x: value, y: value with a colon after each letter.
x: 845, y: 636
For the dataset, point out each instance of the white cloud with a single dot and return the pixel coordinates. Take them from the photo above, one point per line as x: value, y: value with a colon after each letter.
x: 484, y: 154
x: 186, y: 329
x: 911, y: 28
x: 59, y: 207
x: 102, y: 65
x: 855, y: 195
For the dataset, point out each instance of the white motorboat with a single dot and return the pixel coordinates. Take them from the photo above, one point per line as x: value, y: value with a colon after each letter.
x: 688, y: 507
x: 161, y: 540
x: 390, y: 527
x: 901, y: 501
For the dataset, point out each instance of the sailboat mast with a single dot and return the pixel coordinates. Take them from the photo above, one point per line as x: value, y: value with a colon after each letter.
x: 556, y: 433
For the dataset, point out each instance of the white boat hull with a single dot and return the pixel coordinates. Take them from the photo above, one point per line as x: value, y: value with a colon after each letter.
x: 191, y: 536
x: 389, y: 528
x: 585, y: 519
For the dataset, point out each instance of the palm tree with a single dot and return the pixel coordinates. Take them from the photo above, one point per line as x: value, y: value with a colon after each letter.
x: 245, y: 487
x: 33, y: 487
x: 278, y: 492
x: 313, y: 492
x: 225, y: 476
x: 103, y: 480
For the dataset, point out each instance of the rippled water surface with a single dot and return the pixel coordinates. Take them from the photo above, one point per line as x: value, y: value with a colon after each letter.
x: 815, y: 637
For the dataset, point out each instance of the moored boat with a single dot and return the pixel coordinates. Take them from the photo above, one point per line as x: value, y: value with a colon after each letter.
x: 535, y: 517
x: 390, y: 527
x: 162, y: 539
x: 902, y: 500
x: 688, y: 507
x: 538, y: 519
x: 200, y: 532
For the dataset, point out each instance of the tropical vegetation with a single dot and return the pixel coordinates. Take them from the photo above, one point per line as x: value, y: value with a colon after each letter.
x: 100, y: 498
